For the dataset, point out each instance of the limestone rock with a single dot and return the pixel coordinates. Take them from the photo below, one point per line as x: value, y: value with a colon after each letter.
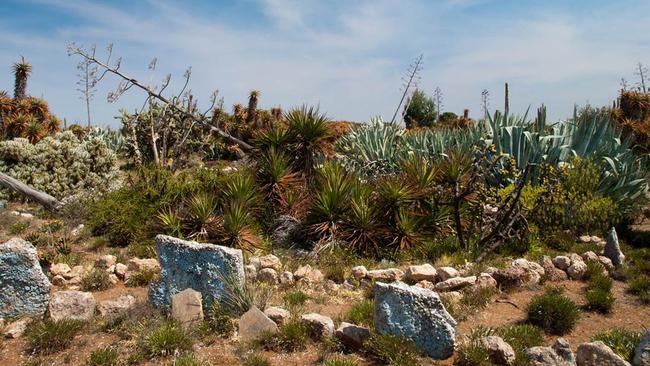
x: 113, y: 307
x: 72, y: 305
x: 558, y: 355
x: 606, y: 262
x: 278, y: 315
x: 455, y: 283
x: 120, y: 270
x: 514, y: 277
x: 562, y: 262
x: 551, y: 273
x: 105, y: 261
x: 58, y: 280
x: 423, y: 272
x: 642, y: 351
x: 270, y: 261
x: 319, y: 325
x: 352, y: 336
x: 613, y: 249
x: 255, y: 261
x: 25, y: 290
x: 187, y: 307
x: 17, y: 328
x: 598, y: 354
x: 140, y: 265
x: 589, y: 256
x: 254, y: 323
x: 390, y: 274
x: 267, y: 275
x: 528, y: 265
x: 286, y: 278
x: 60, y: 269
x: 577, y: 270
x: 446, y: 273
x: 359, y: 272
x: 501, y: 353
x: 485, y: 280
x: 417, y: 314
x: 188, y: 264
x: 426, y: 284
x: 308, y: 273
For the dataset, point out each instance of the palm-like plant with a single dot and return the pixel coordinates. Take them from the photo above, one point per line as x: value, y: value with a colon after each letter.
x: 21, y: 70
x: 34, y: 131
x: 235, y: 227
x: 171, y: 222
x: 310, y: 131
x: 361, y: 226
x: 275, y: 174
x: 240, y: 187
x: 330, y: 200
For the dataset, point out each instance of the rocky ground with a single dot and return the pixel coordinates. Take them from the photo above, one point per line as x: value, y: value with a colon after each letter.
x: 429, y: 303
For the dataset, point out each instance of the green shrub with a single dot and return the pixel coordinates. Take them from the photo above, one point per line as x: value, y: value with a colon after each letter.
x: 50, y: 336
x: 599, y: 293
x: 521, y: 337
x: 291, y: 336
x: 295, y: 300
x: 472, y: 353
x: 106, y: 356
x: 167, y: 339
x: 362, y: 313
x: 217, y: 322
x: 19, y: 227
x: 186, y: 359
x: 98, y: 243
x: 392, y: 350
x: 142, y: 278
x: 593, y: 269
x: 340, y: 361
x: 553, y: 312
x: 621, y: 341
x: 640, y: 286
x: 96, y: 280
x: 256, y: 359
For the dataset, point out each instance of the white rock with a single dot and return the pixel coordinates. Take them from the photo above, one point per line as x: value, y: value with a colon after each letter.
x: 270, y: 261
x: 455, y: 283
x: 60, y: 269
x: 562, y: 262
x: 120, y: 270
x: 359, y: 272
x: 120, y: 305
x: 319, y: 325
x: 277, y: 314
x: 446, y: 273
x: 72, y: 305
x: 267, y: 275
x: 485, y: 280
x: 421, y: 273
x: 105, y: 261
x: 17, y: 328
x: 577, y: 270
x: 390, y: 274
x: 311, y: 275
x: 286, y: 278
x: 606, y: 262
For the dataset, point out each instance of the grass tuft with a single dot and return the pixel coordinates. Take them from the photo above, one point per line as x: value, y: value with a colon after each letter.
x: 553, y: 312
x: 107, y: 356
x: 362, y: 313
x: 96, y: 280
x: 167, y: 339
x: 621, y: 341
x: 49, y: 336
x: 392, y: 350
x: 292, y: 336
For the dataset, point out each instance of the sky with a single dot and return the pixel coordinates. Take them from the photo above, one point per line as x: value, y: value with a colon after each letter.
x: 348, y: 57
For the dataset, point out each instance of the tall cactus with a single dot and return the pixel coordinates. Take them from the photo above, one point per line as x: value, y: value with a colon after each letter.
x: 251, y: 113
x: 21, y: 70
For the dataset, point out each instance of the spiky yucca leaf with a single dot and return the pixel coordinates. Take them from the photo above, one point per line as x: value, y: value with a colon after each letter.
x: 331, y: 198
x: 235, y: 227
x: 310, y: 131
x: 172, y: 222
x: 361, y: 224
x: 240, y: 187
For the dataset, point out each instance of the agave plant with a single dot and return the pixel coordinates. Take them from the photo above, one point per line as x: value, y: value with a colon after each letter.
x: 171, y: 222
x: 275, y: 173
x: 240, y: 187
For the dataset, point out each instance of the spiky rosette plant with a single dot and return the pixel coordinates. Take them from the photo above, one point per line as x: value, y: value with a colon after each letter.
x: 21, y: 70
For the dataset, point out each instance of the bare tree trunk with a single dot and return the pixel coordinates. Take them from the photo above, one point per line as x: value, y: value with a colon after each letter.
x: 134, y: 142
x: 22, y: 188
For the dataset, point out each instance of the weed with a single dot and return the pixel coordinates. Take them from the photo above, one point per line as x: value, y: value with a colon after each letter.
x: 472, y: 353
x: 186, y: 359
x: 106, y: 356
x: 339, y: 360
x: 238, y: 299
x: 553, y: 312
x: 621, y: 341
x: 142, y: 278
x: 640, y: 286
x: 593, y: 269
x: 18, y: 228
x: 50, y: 336
x: 292, y: 336
x: 392, y: 350
x: 295, y: 301
x: 361, y: 313
x: 521, y: 337
x: 98, y: 243
x: 256, y: 359
x: 166, y: 339
x: 96, y: 280
x: 599, y: 293
x: 217, y: 322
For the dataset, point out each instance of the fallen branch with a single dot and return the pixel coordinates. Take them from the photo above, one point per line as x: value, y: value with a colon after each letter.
x: 29, y: 192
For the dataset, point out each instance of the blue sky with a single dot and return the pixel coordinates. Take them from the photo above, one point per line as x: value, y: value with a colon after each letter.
x: 346, y: 56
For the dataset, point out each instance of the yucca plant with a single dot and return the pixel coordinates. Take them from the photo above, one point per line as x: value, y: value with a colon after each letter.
x: 240, y: 187
x: 361, y: 226
x: 21, y: 70
x: 330, y: 200
x: 275, y: 173
x: 408, y: 231
x: 277, y: 136
x: 172, y: 223
x: 310, y: 131
x: 235, y: 227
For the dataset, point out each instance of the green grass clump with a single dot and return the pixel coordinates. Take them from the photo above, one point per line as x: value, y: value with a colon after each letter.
x: 106, y: 356
x: 640, y: 286
x: 521, y: 337
x: 96, y: 280
x: 599, y: 293
x: 140, y: 279
x: 217, y: 322
x: 553, y: 312
x: 340, y: 361
x: 472, y: 353
x: 186, y: 359
x: 18, y: 227
x: 621, y: 341
x: 167, y: 339
x: 362, y: 313
x: 593, y: 269
x: 292, y: 336
x: 256, y: 359
x: 98, y: 243
x: 295, y: 301
x: 50, y: 336
x: 392, y: 350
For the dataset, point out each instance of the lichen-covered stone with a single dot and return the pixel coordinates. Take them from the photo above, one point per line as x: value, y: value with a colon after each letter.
x: 25, y: 290
x: 72, y: 305
x: 417, y: 314
x: 642, y: 351
x: 188, y: 264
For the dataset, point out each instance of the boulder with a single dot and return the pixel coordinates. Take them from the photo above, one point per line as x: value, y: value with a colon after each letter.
x: 528, y: 265
x: 642, y: 351
x: 455, y: 283
x: 562, y: 262
x: 202, y: 267
x: 416, y: 314
x: 105, y: 261
x: 486, y: 280
x: 311, y: 275
x: 613, y: 249
x: 117, y: 306
x: 320, y: 326
x: 17, y: 328
x: 286, y: 278
x: 598, y: 354
x: 72, y: 305
x: 589, y: 256
x: 267, y: 275
x: 359, y: 272
x: 254, y: 324
x: 25, y: 288
x: 446, y: 273
x: 352, y: 336
x: 423, y: 272
x: 426, y: 284
x: 501, y: 353
x: 270, y: 261
x: 558, y: 355
x: 139, y: 265
x: 551, y: 273
x: 606, y: 262
x: 187, y: 307
x: 577, y: 270
x: 120, y: 270
x: 390, y: 274
x: 255, y: 261
x: 286, y: 227
x: 278, y: 315
x: 58, y: 280
x: 60, y: 269
x: 514, y: 277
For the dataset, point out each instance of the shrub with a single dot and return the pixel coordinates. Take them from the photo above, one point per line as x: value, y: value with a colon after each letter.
x: 186, y: 359
x: 18, y: 227
x: 553, y: 312
x: 521, y: 337
x: 106, y: 356
x: 599, y: 293
x: 60, y: 165
x: 96, y: 280
x: 593, y: 269
x: 392, y: 350
x: 256, y: 359
x: 621, y: 341
x: 362, y: 313
x: 50, y: 336
x: 142, y: 278
x: 291, y: 336
x: 238, y: 299
x: 217, y: 322
x: 472, y: 353
x: 295, y: 300
x: 167, y: 339
x: 640, y: 286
